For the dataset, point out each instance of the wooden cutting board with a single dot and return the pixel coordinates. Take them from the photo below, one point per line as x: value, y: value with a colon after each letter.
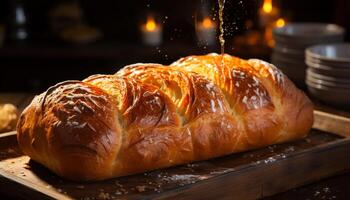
x: 249, y: 175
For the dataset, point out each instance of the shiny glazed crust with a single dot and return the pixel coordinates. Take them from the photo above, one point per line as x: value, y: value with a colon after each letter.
x: 149, y: 116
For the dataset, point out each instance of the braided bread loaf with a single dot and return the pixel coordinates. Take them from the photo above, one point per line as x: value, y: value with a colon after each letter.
x: 149, y: 116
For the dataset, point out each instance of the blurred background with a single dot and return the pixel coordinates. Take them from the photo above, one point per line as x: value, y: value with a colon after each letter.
x: 43, y: 42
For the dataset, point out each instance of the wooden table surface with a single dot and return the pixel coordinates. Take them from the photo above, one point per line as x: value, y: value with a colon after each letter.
x: 20, y: 100
x: 336, y: 187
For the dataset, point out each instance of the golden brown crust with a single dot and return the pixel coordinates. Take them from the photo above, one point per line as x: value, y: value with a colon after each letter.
x: 69, y: 128
x: 149, y: 116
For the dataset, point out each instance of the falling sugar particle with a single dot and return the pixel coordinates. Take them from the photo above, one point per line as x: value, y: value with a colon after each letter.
x: 221, y: 37
x: 141, y: 188
x: 317, y: 193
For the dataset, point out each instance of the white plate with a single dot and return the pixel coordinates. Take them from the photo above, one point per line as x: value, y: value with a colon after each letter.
x: 327, y: 83
x: 329, y: 95
x: 331, y: 52
x: 327, y: 63
x: 287, y: 49
x: 329, y: 71
x: 314, y: 74
x: 308, y: 32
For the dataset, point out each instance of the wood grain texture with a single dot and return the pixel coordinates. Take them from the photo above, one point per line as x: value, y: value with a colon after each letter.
x: 248, y: 175
x: 333, y: 123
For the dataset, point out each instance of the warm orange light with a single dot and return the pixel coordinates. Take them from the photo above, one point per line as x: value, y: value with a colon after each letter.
x: 207, y: 23
x: 269, y: 37
x: 267, y: 6
x: 280, y: 22
x: 150, y: 24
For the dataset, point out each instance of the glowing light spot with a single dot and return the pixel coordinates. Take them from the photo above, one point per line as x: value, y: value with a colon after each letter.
x: 267, y: 6
x: 207, y: 23
x: 150, y: 24
x: 280, y: 23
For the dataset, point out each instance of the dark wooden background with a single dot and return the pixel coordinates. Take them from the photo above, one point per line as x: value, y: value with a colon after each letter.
x: 41, y: 61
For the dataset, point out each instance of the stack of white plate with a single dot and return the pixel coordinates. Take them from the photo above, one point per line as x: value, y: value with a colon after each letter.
x: 328, y: 75
x: 293, y: 39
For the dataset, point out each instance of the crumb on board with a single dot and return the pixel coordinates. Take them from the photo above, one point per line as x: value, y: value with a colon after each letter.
x: 103, y: 195
x: 141, y: 188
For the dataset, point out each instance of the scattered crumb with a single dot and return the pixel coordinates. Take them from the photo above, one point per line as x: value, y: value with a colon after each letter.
x: 317, y: 193
x: 80, y: 186
x: 103, y: 195
x: 290, y: 149
x: 269, y: 160
x: 191, y: 165
x: 326, y: 189
x: 141, y: 188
